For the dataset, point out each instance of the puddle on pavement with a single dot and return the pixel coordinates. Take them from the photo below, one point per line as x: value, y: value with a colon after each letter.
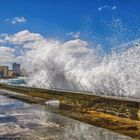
x: 22, y: 121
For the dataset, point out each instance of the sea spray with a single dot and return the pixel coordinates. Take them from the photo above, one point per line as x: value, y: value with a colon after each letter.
x: 73, y: 65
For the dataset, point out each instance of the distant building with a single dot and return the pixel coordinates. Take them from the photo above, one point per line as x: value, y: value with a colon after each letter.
x: 4, y: 71
x: 16, y: 69
x: 10, y: 73
x: 1, y: 74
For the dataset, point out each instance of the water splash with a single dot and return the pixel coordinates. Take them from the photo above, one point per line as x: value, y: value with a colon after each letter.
x: 75, y: 66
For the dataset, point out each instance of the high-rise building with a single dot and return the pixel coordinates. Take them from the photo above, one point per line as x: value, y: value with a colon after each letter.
x: 16, y: 68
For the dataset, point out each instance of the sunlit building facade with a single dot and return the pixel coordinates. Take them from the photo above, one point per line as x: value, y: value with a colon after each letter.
x: 4, y: 71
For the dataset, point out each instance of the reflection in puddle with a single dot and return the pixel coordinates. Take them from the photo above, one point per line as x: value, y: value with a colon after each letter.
x: 19, y: 120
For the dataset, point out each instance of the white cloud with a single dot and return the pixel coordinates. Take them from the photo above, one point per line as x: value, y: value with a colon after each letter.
x: 75, y: 43
x: 16, y: 20
x: 74, y: 35
x: 106, y: 7
x: 21, y: 42
x: 6, y: 55
x: 6, y: 50
x: 114, y: 7
x: 26, y: 46
x: 102, y: 7
x: 21, y: 37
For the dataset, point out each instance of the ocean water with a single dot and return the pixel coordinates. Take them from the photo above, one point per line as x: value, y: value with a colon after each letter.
x: 14, y: 81
x: 75, y: 66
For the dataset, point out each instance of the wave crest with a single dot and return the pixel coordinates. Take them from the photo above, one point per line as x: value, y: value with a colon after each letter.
x: 74, y: 66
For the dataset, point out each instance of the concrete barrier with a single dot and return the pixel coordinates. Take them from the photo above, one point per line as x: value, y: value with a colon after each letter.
x: 119, y: 114
x: 119, y: 106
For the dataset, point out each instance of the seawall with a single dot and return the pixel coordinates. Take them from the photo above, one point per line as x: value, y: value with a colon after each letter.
x: 119, y: 114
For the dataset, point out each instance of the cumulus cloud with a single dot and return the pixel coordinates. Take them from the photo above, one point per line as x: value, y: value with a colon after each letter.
x: 26, y: 45
x: 75, y: 43
x: 16, y: 20
x: 74, y: 35
x: 17, y: 45
x: 21, y: 37
x: 7, y: 55
x: 107, y: 7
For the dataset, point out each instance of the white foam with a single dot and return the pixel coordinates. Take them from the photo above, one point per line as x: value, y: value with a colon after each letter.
x: 53, y: 102
x: 74, y: 66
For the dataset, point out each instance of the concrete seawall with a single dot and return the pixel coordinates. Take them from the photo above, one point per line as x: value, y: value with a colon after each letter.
x: 119, y: 114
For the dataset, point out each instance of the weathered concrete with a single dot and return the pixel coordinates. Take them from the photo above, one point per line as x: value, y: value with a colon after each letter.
x: 123, y: 107
x: 118, y: 114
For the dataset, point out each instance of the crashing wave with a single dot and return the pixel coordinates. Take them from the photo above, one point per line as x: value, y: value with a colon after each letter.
x: 74, y: 65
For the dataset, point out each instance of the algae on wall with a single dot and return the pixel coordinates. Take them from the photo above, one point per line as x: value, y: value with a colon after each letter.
x: 119, y: 115
x: 109, y: 105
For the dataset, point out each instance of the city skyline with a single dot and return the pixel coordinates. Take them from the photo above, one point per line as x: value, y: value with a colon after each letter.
x: 6, y: 72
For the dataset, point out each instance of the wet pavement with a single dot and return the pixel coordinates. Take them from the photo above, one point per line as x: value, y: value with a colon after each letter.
x: 22, y: 121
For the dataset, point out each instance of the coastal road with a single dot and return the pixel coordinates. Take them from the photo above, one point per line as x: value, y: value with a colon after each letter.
x: 22, y: 121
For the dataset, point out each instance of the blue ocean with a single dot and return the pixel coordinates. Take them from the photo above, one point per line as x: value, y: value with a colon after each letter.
x: 14, y: 81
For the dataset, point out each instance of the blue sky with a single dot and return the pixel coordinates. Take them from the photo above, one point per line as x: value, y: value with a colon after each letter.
x: 108, y: 22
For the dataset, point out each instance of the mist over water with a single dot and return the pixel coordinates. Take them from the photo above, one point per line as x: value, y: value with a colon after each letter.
x: 73, y: 65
